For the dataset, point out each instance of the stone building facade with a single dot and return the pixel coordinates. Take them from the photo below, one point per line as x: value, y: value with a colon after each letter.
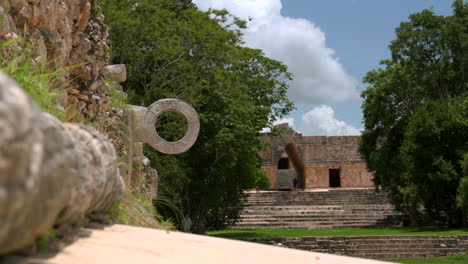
x: 314, y: 161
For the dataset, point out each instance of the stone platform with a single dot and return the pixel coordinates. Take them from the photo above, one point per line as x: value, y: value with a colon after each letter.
x: 378, y: 247
x: 318, y: 208
x: 120, y: 244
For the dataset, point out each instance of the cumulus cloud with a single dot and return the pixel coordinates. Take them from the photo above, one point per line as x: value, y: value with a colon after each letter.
x: 321, y: 121
x: 319, y: 77
x: 289, y: 120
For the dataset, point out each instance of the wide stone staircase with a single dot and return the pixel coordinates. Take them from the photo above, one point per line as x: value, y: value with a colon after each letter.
x: 392, y: 247
x: 377, y: 247
x: 318, y: 209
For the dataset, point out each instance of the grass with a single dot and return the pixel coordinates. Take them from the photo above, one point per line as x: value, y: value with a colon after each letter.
x: 39, y: 81
x: 117, y: 98
x: 35, y: 79
x: 43, y: 240
x: 272, y: 233
x: 137, y: 210
x: 453, y: 259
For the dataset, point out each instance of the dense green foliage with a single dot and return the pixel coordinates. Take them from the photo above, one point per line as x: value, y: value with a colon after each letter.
x: 453, y: 259
x: 173, y: 50
x: 342, y: 231
x: 416, y: 117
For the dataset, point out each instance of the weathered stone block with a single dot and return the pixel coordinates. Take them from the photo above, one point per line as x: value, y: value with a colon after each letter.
x: 49, y: 172
x: 118, y: 72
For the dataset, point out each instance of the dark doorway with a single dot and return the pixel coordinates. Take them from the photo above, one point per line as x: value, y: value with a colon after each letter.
x: 334, y: 175
x: 283, y: 164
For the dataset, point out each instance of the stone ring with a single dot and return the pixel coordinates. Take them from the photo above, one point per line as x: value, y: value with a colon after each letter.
x: 167, y: 105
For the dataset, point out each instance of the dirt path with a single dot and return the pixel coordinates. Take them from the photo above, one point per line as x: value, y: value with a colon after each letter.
x: 119, y: 244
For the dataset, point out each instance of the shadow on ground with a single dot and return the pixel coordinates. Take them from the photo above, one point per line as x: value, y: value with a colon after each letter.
x: 65, y: 236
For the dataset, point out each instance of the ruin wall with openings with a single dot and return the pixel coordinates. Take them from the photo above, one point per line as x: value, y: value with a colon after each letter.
x: 323, y: 158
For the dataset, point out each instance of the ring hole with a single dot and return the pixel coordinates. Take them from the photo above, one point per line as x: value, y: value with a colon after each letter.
x: 171, y: 126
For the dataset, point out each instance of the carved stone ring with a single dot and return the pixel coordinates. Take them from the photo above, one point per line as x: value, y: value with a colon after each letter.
x: 147, y: 117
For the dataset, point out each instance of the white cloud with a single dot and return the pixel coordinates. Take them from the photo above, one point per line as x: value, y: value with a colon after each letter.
x: 319, y: 77
x: 289, y: 120
x: 321, y: 121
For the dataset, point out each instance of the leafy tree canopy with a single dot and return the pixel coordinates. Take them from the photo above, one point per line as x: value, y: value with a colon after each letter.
x: 173, y: 50
x: 416, y: 117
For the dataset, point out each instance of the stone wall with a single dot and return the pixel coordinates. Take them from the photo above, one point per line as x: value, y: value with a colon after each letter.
x: 284, y: 178
x: 50, y: 172
x: 66, y: 34
x: 70, y: 36
x: 318, y: 154
x: 376, y: 247
x: 67, y: 37
x: 342, y: 148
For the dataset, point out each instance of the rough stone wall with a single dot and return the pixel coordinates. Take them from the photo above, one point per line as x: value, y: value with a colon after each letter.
x: 342, y: 148
x: 67, y: 34
x: 352, y: 175
x: 50, y: 172
x: 284, y: 178
x: 70, y: 36
x: 319, y: 154
x: 314, y: 149
x: 349, y: 246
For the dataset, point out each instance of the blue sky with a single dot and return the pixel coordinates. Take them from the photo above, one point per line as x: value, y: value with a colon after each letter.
x: 328, y: 45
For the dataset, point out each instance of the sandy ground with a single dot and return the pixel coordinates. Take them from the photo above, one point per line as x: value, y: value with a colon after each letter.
x: 119, y: 244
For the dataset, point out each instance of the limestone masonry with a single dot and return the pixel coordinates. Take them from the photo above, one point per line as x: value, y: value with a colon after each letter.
x: 50, y: 172
x: 314, y: 161
x: 377, y: 247
x: 65, y: 35
x: 58, y: 173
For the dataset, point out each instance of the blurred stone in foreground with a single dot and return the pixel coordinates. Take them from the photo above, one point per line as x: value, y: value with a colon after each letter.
x: 50, y: 172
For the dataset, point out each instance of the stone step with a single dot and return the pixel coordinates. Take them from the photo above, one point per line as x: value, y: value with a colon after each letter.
x: 312, y: 220
x: 335, y: 210
x: 397, y: 255
x: 404, y: 246
x: 318, y: 209
x: 309, y: 224
x: 313, y: 202
x: 317, y: 216
x: 396, y: 237
x: 433, y: 250
x: 305, y: 214
x: 377, y: 247
x: 312, y: 226
x: 314, y: 216
x: 349, y: 199
x: 343, y: 212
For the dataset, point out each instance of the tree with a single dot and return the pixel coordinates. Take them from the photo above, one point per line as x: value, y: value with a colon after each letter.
x: 415, y: 117
x: 172, y: 49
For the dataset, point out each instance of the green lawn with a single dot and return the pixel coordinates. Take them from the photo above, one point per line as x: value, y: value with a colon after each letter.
x: 454, y: 259
x: 272, y: 233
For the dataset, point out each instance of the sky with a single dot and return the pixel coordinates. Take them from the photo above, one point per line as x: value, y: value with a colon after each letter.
x: 329, y: 46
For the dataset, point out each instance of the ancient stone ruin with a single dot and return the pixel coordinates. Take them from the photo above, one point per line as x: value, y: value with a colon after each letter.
x: 53, y: 173
x: 50, y: 172
x: 314, y: 161
x: 146, y: 118
x: 67, y: 35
